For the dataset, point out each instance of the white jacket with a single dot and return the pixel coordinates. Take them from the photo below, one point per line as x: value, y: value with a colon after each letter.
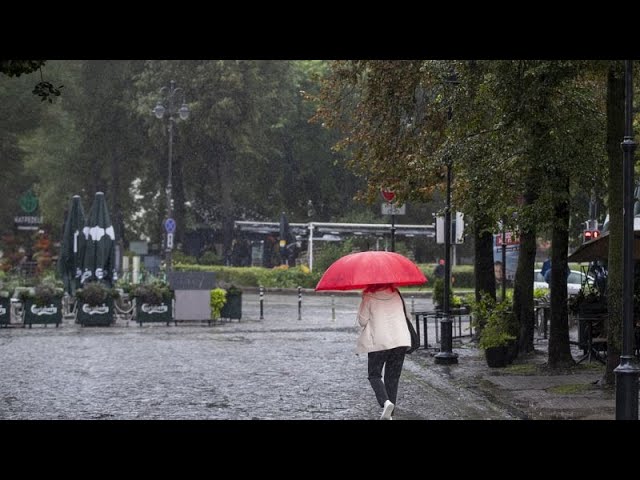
x: 385, y: 326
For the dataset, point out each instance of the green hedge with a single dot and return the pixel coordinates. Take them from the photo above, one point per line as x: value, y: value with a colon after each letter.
x: 300, y: 276
x: 256, y: 276
x: 462, y: 274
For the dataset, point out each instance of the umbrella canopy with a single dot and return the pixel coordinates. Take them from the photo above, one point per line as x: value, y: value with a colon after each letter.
x: 99, y: 256
x: 598, y: 249
x: 73, y: 245
x: 359, y: 270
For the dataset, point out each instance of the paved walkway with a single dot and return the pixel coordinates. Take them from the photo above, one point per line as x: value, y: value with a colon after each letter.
x: 276, y: 368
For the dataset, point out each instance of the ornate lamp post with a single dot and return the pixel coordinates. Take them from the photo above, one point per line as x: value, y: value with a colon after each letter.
x: 168, y: 95
x: 627, y: 372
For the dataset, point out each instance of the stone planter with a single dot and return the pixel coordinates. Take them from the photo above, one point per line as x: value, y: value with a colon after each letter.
x: 233, y: 306
x: 51, y: 313
x: 147, y: 312
x: 96, y: 316
x: 5, y: 310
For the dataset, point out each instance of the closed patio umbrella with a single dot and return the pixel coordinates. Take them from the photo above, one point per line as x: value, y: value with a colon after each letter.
x: 99, y: 256
x: 72, y: 248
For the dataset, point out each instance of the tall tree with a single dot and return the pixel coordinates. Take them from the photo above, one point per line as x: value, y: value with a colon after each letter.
x: 615, y: 134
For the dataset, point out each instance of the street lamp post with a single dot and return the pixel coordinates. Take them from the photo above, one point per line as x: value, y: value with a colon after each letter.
x: 627, y: 372
x: 168, y: 94
x: 446, y: 355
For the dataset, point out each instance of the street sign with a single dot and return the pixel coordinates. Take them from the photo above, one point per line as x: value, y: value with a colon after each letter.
x: 169, y: 241
x: 388, y: 195
x: 170, y: 225
x: 392, y: 209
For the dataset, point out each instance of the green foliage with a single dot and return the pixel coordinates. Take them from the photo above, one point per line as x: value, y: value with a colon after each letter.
x: 331, y: 252
x: 179, y: 257
x: 95, y: 294
x: 210, y: 258
x: 438, y: 292
x: 42, y: 295
x: 256, y: 276
x: 217, y: 300
x: 541, y: 293
x: 153, y: 293
x: 497, y: 321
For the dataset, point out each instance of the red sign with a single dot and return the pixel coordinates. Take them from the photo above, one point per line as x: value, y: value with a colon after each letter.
x: 388, y: 195
x: 510, y: 238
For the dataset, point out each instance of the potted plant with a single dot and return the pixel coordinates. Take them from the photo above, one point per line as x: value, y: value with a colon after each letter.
x: 153, y: 302
x: 218, y: 297
x: 5, y: 307
x: 95, y: 304
x: 498, y: 335
x: 233, y: 305
x: 42, y: 304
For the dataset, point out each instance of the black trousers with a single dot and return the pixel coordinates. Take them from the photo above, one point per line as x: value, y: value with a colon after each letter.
x: 392, y: 361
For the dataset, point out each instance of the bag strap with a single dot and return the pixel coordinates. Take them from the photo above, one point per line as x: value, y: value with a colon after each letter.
x: 404, y: 307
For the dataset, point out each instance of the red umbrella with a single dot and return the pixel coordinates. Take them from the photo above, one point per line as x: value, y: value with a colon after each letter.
x: 358, y: 270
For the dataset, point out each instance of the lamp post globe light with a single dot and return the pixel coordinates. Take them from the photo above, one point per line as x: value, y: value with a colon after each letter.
x: 171, y: 110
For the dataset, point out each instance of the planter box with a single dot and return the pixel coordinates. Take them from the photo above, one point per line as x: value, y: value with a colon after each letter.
x: 5, y: 310
x: 49, y: 314
x: 146, y: 312
x: 496, y: 357
x: 100, y: 316
x: 233, y: 306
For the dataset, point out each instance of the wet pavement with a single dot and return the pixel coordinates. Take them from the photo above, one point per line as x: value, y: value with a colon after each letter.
x: 276, y: 368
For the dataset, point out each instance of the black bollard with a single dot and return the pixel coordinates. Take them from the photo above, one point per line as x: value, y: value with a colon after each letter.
x: 261, y: 302
x: 299, y: 303
x: 446, y: 356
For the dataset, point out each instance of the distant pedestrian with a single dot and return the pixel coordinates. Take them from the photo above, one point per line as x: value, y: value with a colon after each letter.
x: 546, y: 267
x: 385, y: 337
x: 438, y: 272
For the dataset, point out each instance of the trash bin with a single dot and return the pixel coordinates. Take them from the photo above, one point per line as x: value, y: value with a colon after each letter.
x: 233, y: 306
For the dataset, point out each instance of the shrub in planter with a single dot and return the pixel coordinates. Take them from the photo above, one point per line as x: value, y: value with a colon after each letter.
x: 217, y: 299
x: 153, y: 302
x: 233, y: 305
x: 95, y: 304
x: 42, y: 304
x: 498, y: 335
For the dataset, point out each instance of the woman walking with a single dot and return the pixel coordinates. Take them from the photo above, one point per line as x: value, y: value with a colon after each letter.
x: 385, y: 337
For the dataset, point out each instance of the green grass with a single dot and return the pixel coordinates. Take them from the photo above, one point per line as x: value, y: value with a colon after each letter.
x: 573, y: 388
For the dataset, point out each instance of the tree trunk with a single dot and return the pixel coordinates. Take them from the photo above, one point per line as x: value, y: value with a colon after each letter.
x: 523, y: 288
x: 615, y: 134
x: 559, y: 348
x: 485, y: 280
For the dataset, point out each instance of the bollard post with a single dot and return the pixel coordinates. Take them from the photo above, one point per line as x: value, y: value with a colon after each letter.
x: 333, y: 308
x: 261, y: 302
x: 299, y: 303
x: 446, y: 356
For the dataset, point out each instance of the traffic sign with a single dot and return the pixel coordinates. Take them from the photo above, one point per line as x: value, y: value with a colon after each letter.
x: 393, y: 209
x: 388, y: 195
x: 169, y: 241
x: 170, y: 225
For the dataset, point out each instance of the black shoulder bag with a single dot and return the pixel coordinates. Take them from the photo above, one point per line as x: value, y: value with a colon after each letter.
x: 415, y: 340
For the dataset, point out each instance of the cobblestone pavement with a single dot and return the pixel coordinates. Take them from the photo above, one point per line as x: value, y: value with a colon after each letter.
x: 276, y: 368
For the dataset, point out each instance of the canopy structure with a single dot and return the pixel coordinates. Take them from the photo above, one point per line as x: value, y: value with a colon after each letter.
x: 72, y: 248
x: 99, y: 256
x: 598, y: 249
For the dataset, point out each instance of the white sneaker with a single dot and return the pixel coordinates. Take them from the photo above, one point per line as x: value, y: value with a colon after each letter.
x: 386, y: 412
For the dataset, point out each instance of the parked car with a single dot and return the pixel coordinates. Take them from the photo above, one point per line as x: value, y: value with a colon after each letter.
x: 574, y: 282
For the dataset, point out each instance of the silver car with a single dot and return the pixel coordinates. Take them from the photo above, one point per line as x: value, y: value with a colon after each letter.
x: 574, y: 282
